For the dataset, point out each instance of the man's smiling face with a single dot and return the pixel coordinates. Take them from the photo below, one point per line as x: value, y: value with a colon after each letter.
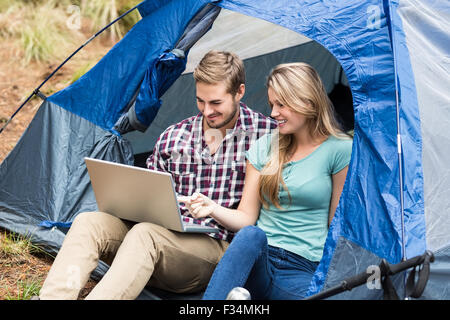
x: 220, y: 108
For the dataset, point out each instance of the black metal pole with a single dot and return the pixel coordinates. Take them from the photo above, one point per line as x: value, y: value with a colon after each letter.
x: 386, y: 269
x: 35, y: 92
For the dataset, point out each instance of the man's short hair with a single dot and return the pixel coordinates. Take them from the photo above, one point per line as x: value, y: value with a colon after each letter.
x: 221, y: 66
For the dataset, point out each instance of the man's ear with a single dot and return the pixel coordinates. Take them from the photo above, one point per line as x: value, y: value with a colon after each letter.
x: 241, y: 91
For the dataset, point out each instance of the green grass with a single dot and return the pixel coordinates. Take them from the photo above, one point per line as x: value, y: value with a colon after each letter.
x: 102, y: 12
x: 5, y: 4
x: 25, y: 290
x: 14, y: 244
x: 40, y: 26
x: 38, y: 44
x: 80, y: 72
x: 9, y: 18
x: 15, y: 251
x: 132, y: 18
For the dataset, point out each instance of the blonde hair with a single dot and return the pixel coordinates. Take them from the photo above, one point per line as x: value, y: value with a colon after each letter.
x: 221, y: 66
x: 299, y: 87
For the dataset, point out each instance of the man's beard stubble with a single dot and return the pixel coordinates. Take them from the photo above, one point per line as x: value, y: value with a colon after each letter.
x: 227, y: 120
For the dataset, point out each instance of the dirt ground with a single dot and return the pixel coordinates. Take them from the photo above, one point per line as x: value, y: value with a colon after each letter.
x: 17, y: 82
x: 23, y: 272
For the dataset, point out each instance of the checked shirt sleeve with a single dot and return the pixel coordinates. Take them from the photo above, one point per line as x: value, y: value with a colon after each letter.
x: 157, y: 160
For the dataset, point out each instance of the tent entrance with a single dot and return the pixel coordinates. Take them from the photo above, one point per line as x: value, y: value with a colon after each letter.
x: 262, y: 45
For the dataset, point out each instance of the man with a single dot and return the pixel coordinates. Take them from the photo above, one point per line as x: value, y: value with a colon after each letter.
x: 204, y: 153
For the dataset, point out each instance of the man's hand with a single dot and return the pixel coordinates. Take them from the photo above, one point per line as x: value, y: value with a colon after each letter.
x: 187, y: 200
x: 199, y: 205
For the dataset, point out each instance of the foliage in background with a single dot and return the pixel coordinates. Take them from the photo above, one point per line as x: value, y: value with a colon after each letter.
x: 133, y: 17
x: 80, y: 72
x: 102, y: 12
x: 40, y: 26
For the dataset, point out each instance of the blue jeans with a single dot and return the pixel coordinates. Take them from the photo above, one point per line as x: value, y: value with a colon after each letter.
x: 269, y: 273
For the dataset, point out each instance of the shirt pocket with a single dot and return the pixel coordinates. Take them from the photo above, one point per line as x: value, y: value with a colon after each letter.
x: 184, y: 177
x: 235, y: 183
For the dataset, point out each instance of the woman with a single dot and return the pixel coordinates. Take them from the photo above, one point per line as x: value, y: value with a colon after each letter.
x: 292, y: 187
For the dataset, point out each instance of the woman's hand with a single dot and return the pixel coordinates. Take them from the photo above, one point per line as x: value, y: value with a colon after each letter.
x: 199, y: 205
x: 246, y: 214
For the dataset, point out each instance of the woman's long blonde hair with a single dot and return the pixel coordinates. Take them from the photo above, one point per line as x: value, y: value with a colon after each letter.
x: 299, y: 87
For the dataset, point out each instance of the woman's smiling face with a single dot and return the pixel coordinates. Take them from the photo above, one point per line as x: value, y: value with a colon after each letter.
x: 289, y: 121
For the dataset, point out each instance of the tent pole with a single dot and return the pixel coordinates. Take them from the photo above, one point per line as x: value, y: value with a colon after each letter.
x: 399, y: 141
x: 35, y: 92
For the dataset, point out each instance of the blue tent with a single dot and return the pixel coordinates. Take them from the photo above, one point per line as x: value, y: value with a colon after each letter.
x: 395, y: 57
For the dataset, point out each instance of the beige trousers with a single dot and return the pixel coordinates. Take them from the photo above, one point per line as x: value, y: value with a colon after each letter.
x: 138, y: 255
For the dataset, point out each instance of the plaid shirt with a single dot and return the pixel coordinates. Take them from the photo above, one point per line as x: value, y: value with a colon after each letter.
x: 181, y: 150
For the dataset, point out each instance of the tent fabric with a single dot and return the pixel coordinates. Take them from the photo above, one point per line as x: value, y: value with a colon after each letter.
x: 53, y: 185
x: 246, y: 35
x: 122, y: 70
x: 411, y: 143
x: 357, y: 260
x: 422, y: 55
x: 44, y: 178
x: 147, y: 7
x: 425, y: 26
x: 438, y: 286
x: 395, y: 57
x: 166, y: 69
x: 158, y: 78
x: 197, y: 27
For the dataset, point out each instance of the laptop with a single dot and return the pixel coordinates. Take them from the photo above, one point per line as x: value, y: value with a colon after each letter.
x: 138, y: 194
